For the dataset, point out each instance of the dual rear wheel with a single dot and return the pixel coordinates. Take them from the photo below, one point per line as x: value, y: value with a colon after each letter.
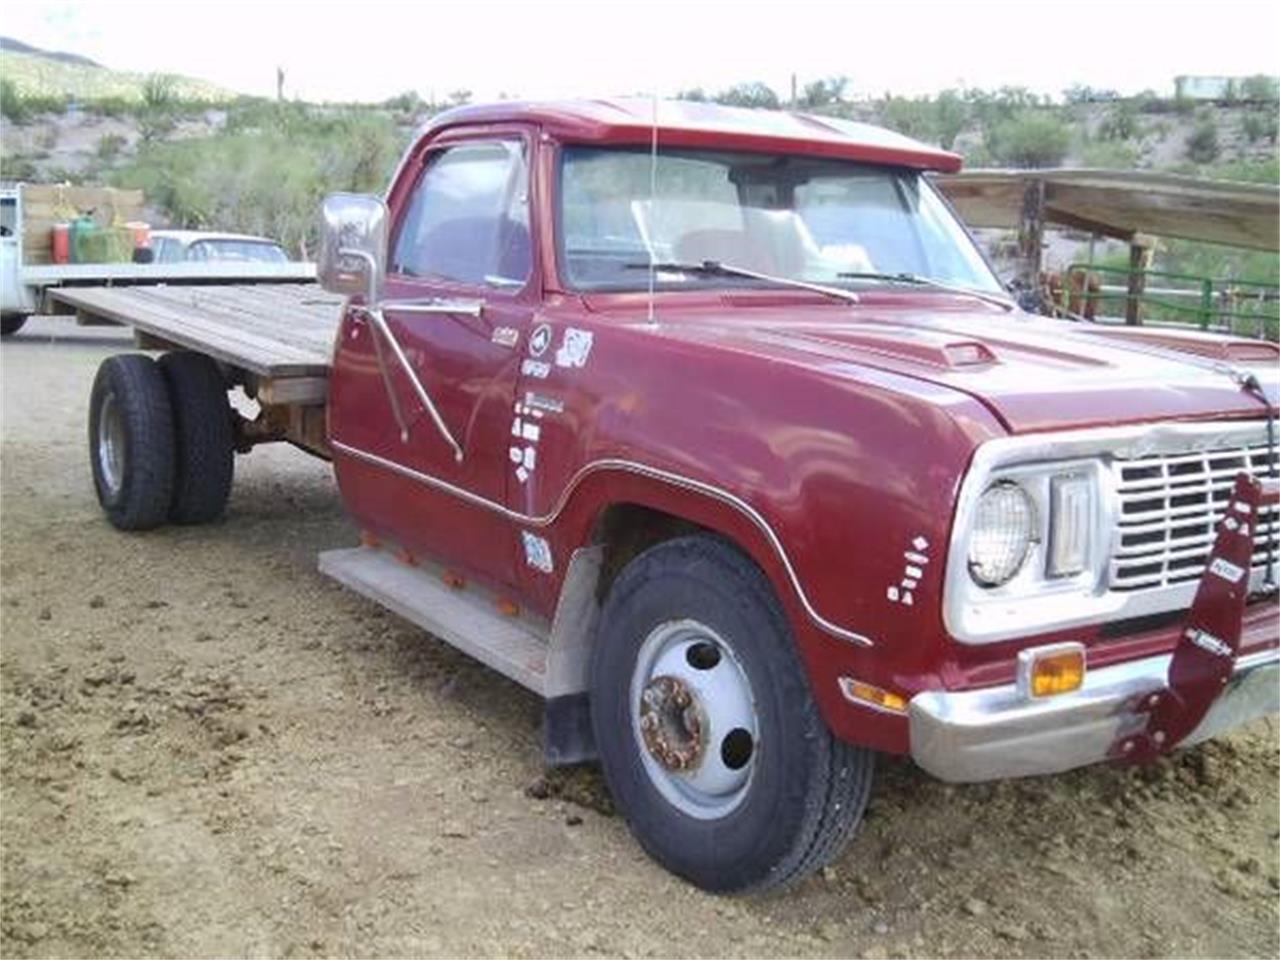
x: 161, y: 440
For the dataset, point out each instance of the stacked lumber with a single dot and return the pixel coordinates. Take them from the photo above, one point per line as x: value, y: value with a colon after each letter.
x: 44, y: 204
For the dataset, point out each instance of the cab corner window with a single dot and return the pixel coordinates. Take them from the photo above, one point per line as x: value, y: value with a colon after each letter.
x: 468, y: 218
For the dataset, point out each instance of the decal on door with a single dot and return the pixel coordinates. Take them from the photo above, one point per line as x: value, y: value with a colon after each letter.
x: 535, y: 368
x: 916, y: 559
x: 575, y: 349
x: 537, y: 552
x: 526, y: 431
x: 505, y: 336
x: 539, y: 340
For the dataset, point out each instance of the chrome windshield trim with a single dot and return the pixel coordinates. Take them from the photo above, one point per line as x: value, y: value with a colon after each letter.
x: 625, y: 466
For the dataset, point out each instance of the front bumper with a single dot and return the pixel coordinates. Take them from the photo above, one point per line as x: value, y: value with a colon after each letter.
x: 997, y: 732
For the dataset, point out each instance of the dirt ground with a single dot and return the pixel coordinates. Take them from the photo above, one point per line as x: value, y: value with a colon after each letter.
x: 209, y: 749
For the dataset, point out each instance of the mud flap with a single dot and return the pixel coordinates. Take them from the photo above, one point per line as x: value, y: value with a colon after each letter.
x: 1204, y: 659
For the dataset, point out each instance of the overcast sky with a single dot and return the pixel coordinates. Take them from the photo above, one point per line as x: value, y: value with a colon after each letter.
x: 369, y: 50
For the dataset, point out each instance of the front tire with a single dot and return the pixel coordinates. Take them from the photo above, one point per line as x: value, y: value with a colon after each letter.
x: 708, y: 735
x: 11, y: 323
x: 131, y: 442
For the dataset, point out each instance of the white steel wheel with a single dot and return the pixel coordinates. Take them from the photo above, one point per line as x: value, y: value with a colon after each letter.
x: 694, y: 718
x: 111, y: 446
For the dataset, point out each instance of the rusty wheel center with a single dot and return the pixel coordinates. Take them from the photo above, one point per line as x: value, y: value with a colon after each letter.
x: 670, y: 723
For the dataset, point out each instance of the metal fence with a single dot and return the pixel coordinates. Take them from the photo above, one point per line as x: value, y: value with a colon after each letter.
x: 1241, y: 307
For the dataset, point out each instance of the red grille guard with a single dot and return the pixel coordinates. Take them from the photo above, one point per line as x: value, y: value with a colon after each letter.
x: 1204, y: 659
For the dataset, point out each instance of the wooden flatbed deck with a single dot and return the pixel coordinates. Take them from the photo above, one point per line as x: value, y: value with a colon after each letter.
x: 272, y: 330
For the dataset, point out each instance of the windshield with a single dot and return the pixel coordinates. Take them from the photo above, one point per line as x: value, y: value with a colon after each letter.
x: 802, y: 218
x: 253, y: 250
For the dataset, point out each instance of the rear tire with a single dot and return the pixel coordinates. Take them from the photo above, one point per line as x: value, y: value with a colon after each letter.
x: 734, y: 781
x: 131, y: 442
x: 11, y: 323
x: 204, y: 437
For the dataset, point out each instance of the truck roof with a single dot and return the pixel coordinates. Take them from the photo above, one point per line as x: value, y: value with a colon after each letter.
x: 693, y: 124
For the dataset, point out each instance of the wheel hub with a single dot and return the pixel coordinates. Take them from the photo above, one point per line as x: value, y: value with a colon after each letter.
x: 671, y: 723
x: 694, y: 719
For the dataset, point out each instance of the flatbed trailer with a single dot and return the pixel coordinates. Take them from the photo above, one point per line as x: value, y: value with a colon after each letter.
x: 273, y: 339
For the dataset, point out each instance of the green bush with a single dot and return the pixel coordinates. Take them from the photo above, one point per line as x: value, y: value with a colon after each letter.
x: 1109, y: 155
x: 910, y: 116
x: 1120, y: 123
x: 1259, y: 125
x: 1030, y: 139
x: 1202, y: 144
x: 267, y: 173
x: 159, y: 91
x: 109, y: 146
x: 757, y: 95
x: 19, y: 107
x: 1260, y: 88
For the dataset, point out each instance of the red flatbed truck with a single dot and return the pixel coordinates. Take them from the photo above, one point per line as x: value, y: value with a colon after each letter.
x: 715, y: 429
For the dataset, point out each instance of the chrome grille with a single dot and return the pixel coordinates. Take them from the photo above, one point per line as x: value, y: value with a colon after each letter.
x: 1169, y: 509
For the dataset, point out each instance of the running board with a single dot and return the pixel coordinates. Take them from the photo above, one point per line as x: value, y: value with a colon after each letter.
x: 467, y: 617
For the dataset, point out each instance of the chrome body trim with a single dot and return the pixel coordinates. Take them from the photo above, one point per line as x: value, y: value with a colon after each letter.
x: 993, y: 733
x: 626, y: 466
x: 384, y: 330
x: 976, y: 617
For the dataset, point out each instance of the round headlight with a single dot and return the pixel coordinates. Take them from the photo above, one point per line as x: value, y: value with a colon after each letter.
x: 1003, y: 529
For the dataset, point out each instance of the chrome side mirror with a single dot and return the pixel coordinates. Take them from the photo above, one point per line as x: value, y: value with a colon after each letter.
x: 353, y: 247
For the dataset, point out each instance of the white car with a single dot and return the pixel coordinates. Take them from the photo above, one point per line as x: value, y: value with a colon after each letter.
x: 178, y: 246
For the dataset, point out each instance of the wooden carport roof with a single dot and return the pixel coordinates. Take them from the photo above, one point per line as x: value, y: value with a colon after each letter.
x: 1123, y: 204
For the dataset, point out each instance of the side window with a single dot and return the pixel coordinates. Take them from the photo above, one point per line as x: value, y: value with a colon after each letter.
x: 468, y: 219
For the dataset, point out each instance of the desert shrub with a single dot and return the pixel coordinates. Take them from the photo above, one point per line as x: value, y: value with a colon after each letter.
x: 1259, y: 125
x: 1202, y: 144
x: 911, y: 116
x: 755, y: 94
x: 950, y: 117
x: 1120, y: 123
x: 113, y: 106
x: 1030, y: 139
x: 159, y: 92
x: 18, y: 166
x: 823, y: 93
x: 18, y: 106
x: 12, y: 106
x: 1109, y: 155
x: 1260, y: 88
x: 109, y: 146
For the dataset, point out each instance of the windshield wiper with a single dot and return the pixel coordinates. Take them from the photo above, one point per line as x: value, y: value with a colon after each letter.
x: 714, y: 268
x: 915, y: 279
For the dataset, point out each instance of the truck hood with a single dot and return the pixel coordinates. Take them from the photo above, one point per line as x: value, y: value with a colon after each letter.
x: 1032, y: 372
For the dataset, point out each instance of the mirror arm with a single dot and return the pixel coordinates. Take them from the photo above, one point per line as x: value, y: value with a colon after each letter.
x: 372, y: 311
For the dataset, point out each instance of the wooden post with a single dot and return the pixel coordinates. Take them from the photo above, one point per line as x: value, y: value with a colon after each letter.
x: 1139, y: 247
x: 1031, y: 245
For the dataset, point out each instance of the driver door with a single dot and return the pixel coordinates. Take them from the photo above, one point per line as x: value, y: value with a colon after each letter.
x: 458, y: 299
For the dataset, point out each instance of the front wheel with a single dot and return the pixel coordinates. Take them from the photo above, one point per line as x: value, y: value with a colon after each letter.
x: 11, y: 323
x: 710, y: 740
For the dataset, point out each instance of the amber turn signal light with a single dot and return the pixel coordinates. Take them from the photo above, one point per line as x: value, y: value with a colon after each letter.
x: 857, y: 691
x: 1049, y: 671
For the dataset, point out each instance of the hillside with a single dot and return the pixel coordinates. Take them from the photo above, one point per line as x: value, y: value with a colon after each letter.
x: 40, y: 74
x: 261, y: 166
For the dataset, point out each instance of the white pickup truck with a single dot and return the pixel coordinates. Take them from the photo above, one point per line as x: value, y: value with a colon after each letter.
x: 23, y: 283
